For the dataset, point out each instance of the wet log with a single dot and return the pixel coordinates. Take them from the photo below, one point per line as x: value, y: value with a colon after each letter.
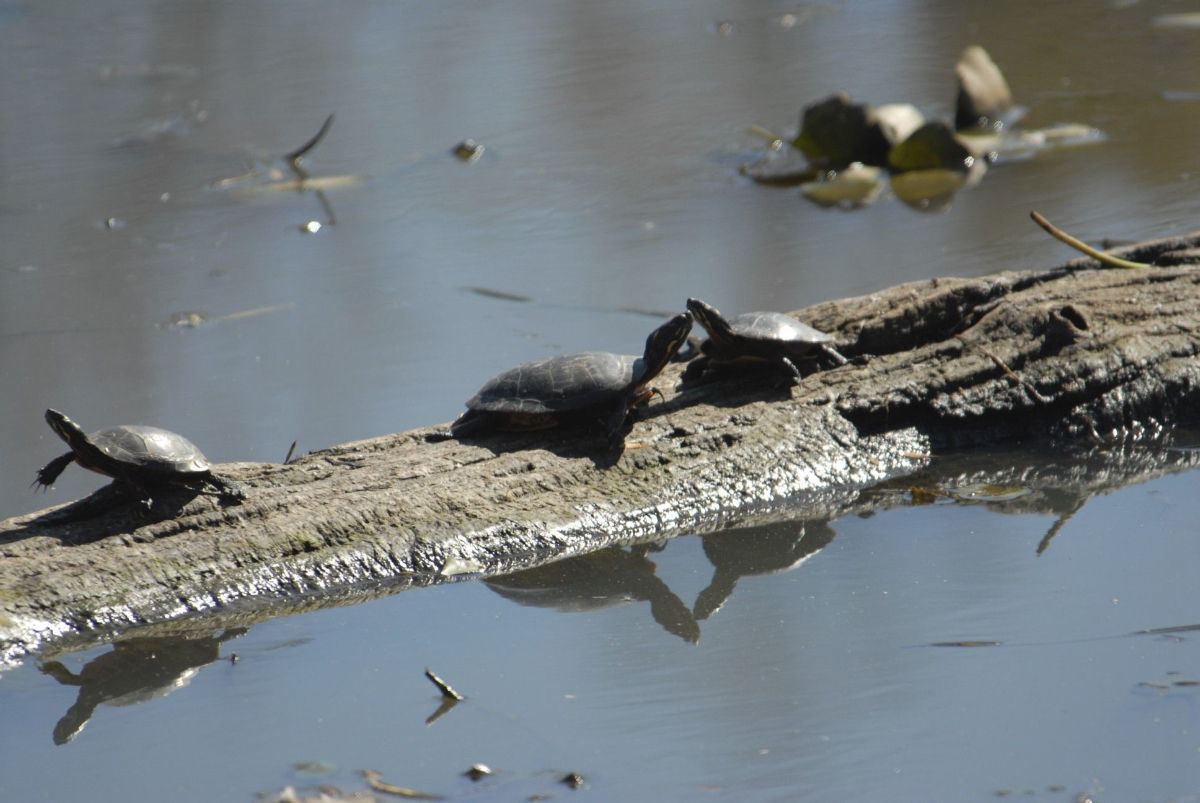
x: 1074, y: 354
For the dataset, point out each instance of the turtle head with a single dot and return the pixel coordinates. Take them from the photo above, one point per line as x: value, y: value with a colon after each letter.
x: 709, y: 317
x: 65, y: 428
x: 662, y: 344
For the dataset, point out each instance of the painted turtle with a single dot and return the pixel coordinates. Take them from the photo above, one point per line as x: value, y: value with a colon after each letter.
x: 571, y: 387
x: 770, y: 337
x: 142, y: 458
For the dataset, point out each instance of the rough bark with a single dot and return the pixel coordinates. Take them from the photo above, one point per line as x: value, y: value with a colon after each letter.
x: 1072, y: 354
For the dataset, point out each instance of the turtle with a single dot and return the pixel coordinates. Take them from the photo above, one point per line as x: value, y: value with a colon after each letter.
x: 137, y: 457
x: 771, y: 337
x: 585, y: 386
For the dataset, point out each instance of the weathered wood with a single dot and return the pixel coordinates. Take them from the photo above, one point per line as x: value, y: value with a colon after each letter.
x: 1072, y: 353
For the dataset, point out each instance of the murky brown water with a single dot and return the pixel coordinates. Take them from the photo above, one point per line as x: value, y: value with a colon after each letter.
x: 613, y: 134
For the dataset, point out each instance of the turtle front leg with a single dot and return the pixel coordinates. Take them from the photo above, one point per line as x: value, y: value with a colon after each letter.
x: 792, y: 369
x: 833, y: 354
x: 614, y: 423
x: 49, y: 472
x: 227, y: 488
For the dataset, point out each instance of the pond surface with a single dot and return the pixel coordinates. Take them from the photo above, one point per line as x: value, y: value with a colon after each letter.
x: 609, y: 187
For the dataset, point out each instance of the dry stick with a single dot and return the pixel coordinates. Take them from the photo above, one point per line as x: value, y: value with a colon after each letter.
x: 293, y: 160
x: 1079, y: 245
x: 759, y: 131
x: 443, y: 686
x: 312, y: 143
x: 1013, y: 375
x: 375, y: 780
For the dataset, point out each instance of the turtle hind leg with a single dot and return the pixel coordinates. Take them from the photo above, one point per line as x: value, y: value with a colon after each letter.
x: 48, y: 473
x: 469, y: 423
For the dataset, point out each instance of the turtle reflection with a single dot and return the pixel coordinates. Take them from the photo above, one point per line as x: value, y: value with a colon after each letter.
x: 603, y: 579
x: 134, y: 671
x: 764, y: 549
x: 620, y: 575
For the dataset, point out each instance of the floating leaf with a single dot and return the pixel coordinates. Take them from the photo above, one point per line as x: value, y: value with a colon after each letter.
x: 928, y: 190
x: 984, y: 99
x: 835, y: 132
x: 898, y: 121
x: 931, y: 146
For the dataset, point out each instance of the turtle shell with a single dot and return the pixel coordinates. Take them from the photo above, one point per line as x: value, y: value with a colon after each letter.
x: 151, y: 449
x: 558, y: 384
x: 776, y: 327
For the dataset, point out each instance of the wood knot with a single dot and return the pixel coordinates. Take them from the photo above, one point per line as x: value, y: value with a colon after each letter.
x: 1065, y: 325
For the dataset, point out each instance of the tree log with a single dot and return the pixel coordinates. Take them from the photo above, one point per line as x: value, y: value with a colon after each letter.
x: 1074, y: 354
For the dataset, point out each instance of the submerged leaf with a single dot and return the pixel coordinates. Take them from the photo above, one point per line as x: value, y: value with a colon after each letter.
x: 857, y: 185
x: 928, y: 190
x: 987, y: 492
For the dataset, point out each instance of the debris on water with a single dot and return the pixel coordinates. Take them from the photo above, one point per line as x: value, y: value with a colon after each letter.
x: 967, y: 644
x: 929, y: 161
x: 314, y: 769
x: 375, y: 781
x: 322, y: 794
x: 502, y: 295
x: 291, y: 451
x: 311, y: 227
x: 443, y: 686
x: 191, y: 319
x: 984, y: 99
x: 478, y: 772
x: 468, y: 150
x: 187, y: 320
x: 572, y: 779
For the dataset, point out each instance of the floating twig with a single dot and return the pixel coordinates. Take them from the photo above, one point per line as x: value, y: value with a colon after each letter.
x: 375, y: 780
x: 443, y: 686
x: 295, y: 155
x: 1082, y: 247
x: 759, y: 131
x: 293, y: 160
